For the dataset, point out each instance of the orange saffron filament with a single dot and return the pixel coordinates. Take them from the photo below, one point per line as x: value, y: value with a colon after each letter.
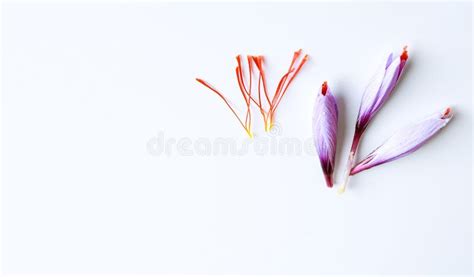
x: 324, y: 88
x: 446, y: 113
x: 404, y: 55
x: 256, y: 71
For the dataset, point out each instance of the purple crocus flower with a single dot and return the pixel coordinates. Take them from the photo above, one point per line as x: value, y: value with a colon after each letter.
x: 325, y: 131
x: 405, y: 141
x: 379, y: 89
x: 375, y: 95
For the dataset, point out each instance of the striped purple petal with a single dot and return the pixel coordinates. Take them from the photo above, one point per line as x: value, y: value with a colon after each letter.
x: 325, y: 116
x: 405, y: 141
x: 380, y: 88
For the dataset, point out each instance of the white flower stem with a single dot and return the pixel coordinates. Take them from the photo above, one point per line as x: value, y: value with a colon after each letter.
x: 350, y: 161
x: 347, y: 174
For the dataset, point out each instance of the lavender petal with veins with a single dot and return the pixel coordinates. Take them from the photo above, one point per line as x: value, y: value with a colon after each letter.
x: 325, y: 116
x: 405, y: 141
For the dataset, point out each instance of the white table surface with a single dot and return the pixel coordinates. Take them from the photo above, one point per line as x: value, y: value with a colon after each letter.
x: 87, y: 88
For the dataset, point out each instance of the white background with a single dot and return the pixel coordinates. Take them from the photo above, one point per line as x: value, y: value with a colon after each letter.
x: 85, y: 88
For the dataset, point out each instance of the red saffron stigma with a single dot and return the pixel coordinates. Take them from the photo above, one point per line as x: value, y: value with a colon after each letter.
x: 404, y: 55
x: 446, y: 113
x: 245, y: 124
x: 267, y: 110
x: 324, y: 88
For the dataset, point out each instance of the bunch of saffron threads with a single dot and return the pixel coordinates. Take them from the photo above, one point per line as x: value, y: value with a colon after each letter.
x: 400, y: 144
x: 267, y: 104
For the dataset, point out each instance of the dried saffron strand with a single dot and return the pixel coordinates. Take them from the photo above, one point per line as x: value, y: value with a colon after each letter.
x: 282, y: 87
x: 247, y: 124
x: 285, y: 77
x: 268, y: 115
x: 262, y: 83
x: 259, y: 62
x: 303, y: 61
x: 246, y: 93
x: 259, y: 103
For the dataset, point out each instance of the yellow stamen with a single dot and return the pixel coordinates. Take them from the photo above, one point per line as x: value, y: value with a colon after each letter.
x: 250, y: 134
x: 341, y: 190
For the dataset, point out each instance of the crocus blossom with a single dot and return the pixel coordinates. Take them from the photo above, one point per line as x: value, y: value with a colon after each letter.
x: 380, y: 88
x: 375, y: 95
x: 325, y: 117
x: 405, y: 141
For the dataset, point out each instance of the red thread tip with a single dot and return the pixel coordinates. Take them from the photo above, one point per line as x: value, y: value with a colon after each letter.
x: 404, y: 55
x: 324, y: 88
x: 447, y: 113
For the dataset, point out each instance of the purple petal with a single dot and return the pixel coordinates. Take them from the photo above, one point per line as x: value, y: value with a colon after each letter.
x: 389, y: 60
x: 405, y: 141
x: 325, y: 130
x: 380, y: 88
